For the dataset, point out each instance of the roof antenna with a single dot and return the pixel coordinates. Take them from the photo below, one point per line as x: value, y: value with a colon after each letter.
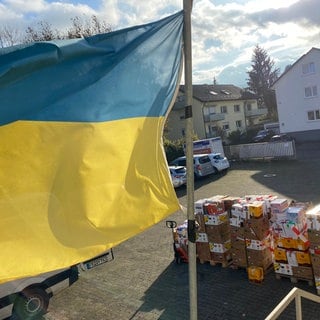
x: 214, y: 81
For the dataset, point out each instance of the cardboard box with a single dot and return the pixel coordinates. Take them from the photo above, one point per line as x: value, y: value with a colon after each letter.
x: 228, y: 202
x: 201, y: 227
x: 239, y: 252
x: 278, y: 205
x: 256, y: 209
x: 239, y: 261
x: 218, y: 233
x: 314, y: 249
x: 301, y: 245
x: 315, y: 260
x: 201, y: 237
x: 236, y: 221
x: 203, y: 251
x: 282, y: 268
x: 220, y: 247
x: 280, y: 255
x: 302, y: 272
x: 238, y: 211
x: 303, y: 258
x: 221, y: 257
x: 198, y: 206
x: 238, y: 243
x: 257, y: 229
x: 286, y: 243
x: 255, y: 273
x: 216, y: 219
x: 265, y: 263
x: 313, y: 218
x: 288, y: 229
x: 316, y: 271
x: 214, y: 207
x: 296, y: 214
x: 314, y: 236
x: 236, y: 232
x: 258, y: 255
x: 258, y: 244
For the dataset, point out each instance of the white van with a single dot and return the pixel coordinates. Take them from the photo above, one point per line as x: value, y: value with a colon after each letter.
x: 28, y: 298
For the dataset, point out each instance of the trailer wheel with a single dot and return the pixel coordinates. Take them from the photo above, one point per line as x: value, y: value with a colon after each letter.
x: 31, y: 303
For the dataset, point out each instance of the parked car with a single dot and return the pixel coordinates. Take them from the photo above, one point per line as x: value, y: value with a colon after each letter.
x: 202, y: 164
x: 178, y: 175
x: 282, y: 137
x: 219, y: 162
x: 263, y: 136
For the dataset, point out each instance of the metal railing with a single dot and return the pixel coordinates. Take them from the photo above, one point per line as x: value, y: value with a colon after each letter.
x: 295, y: 294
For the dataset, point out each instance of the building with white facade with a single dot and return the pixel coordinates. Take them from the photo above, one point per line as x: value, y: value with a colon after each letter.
x: 298, y: 98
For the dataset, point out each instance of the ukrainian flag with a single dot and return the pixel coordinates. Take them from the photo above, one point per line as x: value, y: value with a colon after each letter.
x: 81, y: 155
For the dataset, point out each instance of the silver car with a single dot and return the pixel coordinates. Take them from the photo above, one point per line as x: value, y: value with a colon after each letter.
x: 201, y: 162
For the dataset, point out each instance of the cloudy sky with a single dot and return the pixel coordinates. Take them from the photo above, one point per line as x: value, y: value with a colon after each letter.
x: 224, y: 32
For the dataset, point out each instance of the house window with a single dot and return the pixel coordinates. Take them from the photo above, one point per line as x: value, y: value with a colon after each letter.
x: 310, y: 91
x: 209, y: 110
x: 314, y: 115
x: 249, y: 106
x: 223, y: 109
x: 225, y: 126
x: 183, y: 132
x: 308, y: 68
x: 213, y: 130
x: 182, y: 117
x: 236, y: 108
x: 238, y: 124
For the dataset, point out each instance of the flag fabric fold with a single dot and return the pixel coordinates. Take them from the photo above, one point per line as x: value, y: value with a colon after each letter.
x: 81, y: 156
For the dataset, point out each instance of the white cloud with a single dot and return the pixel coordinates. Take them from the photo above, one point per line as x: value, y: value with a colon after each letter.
x: 23, y: 6
x: 223, y: 35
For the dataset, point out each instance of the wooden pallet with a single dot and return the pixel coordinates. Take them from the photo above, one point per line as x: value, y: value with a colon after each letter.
x: 255, y: 281
x: 224, y: 264
x: 265, y: 271
x: 294, y: 279
x: 236, y: 267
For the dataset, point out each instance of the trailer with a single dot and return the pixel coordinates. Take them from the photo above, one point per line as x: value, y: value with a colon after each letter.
x: 210, y: 145
x: 28, y: 298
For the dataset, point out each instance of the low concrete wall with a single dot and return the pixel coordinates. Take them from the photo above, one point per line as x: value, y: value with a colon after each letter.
x: 265, y: 150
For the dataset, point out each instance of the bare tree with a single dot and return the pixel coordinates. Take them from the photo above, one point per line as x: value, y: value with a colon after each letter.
x: 87, y: 27
x: 9, y: 36
x: 43, y: 32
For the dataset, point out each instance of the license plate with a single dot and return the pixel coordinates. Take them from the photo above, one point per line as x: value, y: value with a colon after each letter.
x: 97, y: 261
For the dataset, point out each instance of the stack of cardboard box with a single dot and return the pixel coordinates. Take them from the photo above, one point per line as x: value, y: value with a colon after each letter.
x: 291, y: 245
x: 313, y: 225
x: 250, y: 233
x: 213, y: 234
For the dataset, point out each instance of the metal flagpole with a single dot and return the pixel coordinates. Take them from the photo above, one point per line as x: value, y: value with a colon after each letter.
x: 187, y: 7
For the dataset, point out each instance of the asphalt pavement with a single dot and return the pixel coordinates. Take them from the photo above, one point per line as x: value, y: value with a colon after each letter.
x: 144, y: 282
